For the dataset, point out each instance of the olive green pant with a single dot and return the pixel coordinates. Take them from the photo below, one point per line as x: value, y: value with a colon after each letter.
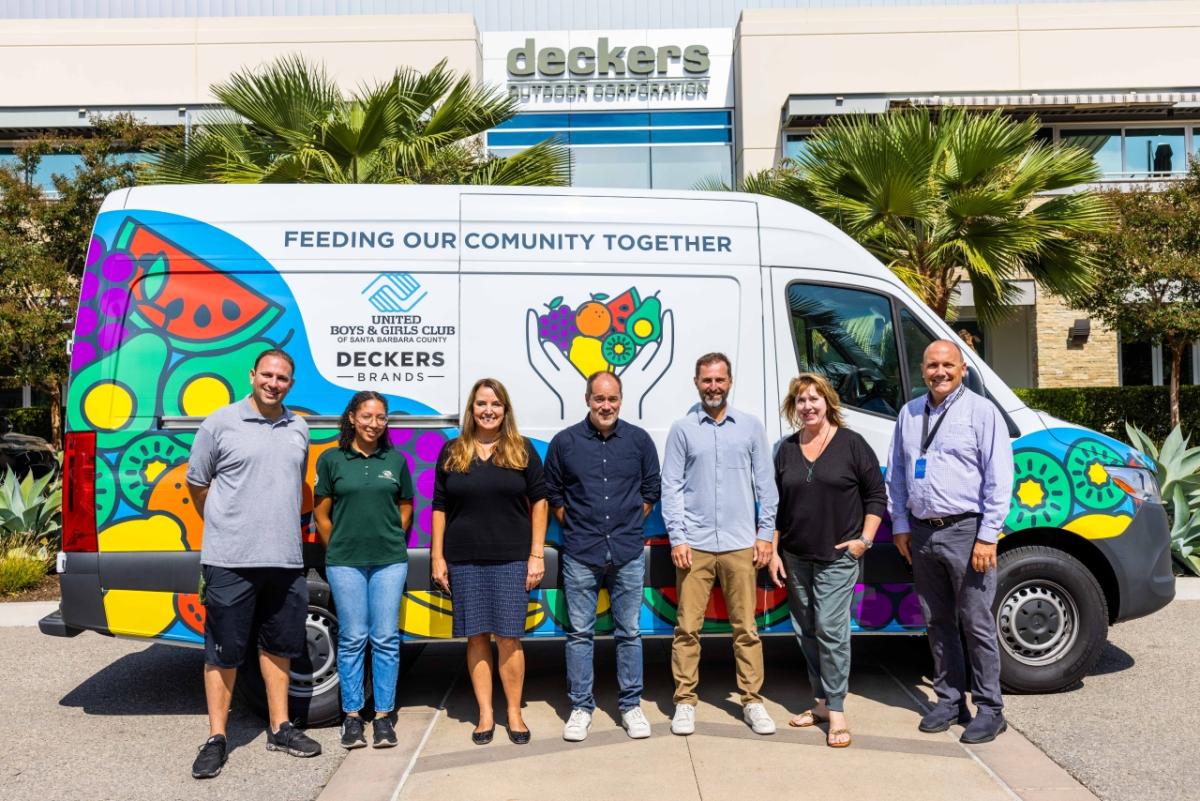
x: 736, y: 572
x: 819, y: 596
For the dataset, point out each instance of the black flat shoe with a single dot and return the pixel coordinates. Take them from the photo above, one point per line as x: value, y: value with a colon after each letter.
x: 520, y: 737
x: 483, y: 737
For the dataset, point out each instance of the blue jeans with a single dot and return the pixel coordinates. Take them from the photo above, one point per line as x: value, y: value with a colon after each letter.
x: 368, y: 604
x: 581, y: 584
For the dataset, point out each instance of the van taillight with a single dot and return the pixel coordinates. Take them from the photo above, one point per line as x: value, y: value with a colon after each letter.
x: 79, y: 492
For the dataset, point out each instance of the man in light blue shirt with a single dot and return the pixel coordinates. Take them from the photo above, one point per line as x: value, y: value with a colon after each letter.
x: 949, y: 479
x: 718, y: 501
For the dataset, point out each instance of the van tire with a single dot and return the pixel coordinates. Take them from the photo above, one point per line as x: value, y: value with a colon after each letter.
x: 313, y: 700
x: 1051, y: 617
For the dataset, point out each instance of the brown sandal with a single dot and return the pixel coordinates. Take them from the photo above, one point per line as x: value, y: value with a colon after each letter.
x: 835, y: 733
x: 813, y: 720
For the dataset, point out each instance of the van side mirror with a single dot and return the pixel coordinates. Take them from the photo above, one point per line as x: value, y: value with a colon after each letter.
x: 5, y: 425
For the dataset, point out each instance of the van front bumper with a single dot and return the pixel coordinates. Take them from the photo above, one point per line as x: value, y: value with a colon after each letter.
x: 1141, y: 559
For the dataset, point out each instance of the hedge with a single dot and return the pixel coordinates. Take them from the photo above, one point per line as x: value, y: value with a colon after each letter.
x: 29, y: 420
x: 1107, y: 409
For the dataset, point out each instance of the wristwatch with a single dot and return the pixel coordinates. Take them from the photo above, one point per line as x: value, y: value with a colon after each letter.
x: 866, y: 542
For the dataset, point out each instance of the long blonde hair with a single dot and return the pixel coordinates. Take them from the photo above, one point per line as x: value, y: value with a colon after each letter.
x: 510, y: 450
x: 798, y: 385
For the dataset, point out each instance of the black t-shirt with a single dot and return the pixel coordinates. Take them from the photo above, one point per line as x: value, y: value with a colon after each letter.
x: 487, y: 508
x: 846, y: 485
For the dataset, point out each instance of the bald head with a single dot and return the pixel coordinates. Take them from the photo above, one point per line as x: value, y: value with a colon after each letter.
x: 943, y: 368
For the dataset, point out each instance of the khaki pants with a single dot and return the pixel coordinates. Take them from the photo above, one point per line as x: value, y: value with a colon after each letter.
x: 736, y: 573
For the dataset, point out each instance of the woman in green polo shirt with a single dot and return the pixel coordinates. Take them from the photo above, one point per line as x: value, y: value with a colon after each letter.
x: 364, y: 505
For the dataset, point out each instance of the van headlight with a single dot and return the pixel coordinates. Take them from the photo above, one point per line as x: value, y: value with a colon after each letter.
x: 1138, y: 482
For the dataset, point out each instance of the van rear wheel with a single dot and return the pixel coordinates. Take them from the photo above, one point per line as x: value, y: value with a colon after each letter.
x: 314, y: 698
x: 1052, y: 619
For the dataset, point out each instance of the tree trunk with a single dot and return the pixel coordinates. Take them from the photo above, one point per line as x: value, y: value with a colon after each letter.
x: 56, y: 436
x: 1177, y: 346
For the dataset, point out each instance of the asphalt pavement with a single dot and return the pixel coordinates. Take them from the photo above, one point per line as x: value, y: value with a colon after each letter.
x: 98, y: 718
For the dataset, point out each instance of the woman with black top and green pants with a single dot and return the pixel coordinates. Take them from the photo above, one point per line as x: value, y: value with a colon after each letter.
x: 831, y: 502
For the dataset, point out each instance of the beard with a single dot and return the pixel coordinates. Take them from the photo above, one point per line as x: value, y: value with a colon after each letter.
x: 713, y: 401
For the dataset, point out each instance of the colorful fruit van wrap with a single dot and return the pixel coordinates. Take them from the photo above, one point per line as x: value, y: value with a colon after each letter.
x: 162, y: 332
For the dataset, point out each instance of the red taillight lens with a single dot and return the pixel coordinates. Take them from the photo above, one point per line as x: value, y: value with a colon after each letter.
x: 79, y: 492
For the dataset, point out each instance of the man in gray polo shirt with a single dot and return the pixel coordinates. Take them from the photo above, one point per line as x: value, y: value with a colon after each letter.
x: 246, y: 477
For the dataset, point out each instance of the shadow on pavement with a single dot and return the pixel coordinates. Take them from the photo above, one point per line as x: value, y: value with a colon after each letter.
x: 160, y: 680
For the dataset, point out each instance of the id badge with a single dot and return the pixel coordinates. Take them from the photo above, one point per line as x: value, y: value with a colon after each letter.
x: 919, y: 468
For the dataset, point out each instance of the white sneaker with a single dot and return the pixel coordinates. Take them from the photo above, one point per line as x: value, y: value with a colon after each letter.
x: 757, y: 719
x: 684, y: 721
x: 635, y: 723
x: 576, y: 730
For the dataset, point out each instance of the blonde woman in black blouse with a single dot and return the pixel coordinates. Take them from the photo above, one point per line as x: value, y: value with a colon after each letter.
x: 831, y: 502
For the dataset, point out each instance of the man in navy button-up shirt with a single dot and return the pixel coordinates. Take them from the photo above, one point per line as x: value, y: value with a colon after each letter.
x: 602, y: 480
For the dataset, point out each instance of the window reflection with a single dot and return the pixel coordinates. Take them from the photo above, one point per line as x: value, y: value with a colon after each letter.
x: 1157, y: 151
x: 1104, y: 145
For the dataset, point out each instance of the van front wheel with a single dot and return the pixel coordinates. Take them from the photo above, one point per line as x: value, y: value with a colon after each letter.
x: 314, y: 698
x: 1052, y: 619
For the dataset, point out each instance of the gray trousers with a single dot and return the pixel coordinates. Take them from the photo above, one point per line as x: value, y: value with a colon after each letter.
x: 819, y: 596
x: 954, y: 596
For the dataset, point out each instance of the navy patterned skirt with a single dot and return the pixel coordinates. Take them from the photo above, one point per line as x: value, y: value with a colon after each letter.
x: 489, y: 597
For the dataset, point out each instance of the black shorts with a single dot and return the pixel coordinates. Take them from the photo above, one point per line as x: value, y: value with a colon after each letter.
x: 238, y: 602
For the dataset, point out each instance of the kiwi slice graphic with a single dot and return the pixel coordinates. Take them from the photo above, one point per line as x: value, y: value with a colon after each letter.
x: 618, y: 349
x: 106, y: 491
x: 144, y: 460
x: 1094, y: 489
x: 1041, y: 492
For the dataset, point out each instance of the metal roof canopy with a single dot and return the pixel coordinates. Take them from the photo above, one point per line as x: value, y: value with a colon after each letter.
x: 800, y: 110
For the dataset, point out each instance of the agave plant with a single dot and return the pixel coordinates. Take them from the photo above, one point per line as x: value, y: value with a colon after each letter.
x: 30, y: 513
x: 1178, y: 471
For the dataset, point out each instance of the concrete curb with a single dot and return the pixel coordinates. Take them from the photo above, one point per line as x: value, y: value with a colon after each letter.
x: 25, y: 613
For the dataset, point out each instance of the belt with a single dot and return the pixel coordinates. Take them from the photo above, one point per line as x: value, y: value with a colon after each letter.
x: 948, y: 520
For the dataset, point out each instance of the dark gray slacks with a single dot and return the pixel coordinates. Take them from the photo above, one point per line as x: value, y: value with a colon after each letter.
x: 954, y: 596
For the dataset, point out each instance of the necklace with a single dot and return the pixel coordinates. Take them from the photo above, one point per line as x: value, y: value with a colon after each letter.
x: 810, y: 466
x: 484, y: 449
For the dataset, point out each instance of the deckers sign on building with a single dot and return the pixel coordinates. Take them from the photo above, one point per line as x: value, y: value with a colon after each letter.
x: 608, y: 70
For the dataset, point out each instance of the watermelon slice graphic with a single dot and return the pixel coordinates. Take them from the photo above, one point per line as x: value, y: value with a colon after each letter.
x: 193, y: 303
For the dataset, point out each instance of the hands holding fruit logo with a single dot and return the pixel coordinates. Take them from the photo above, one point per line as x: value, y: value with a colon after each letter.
x: 629, y: 335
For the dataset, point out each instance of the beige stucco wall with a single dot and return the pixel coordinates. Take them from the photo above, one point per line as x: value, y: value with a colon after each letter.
x: 146, y: 62
x: 932, y: 49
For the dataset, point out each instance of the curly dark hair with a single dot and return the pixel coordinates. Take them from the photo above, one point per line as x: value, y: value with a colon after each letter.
x: 346, y: 426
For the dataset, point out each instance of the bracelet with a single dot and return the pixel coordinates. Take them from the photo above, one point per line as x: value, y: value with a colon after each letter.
x: 536, y: 556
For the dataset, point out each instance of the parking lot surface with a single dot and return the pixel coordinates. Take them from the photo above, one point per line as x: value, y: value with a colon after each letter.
x: 97, y: 718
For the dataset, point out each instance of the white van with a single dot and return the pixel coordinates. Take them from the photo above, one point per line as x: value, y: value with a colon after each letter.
x: 417, y: 291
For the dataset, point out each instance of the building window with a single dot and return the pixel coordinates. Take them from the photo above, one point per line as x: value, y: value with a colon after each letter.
x: 1132, y: 153
x: 795, y: 145
x: 1149, y: 364
x: 630, y: 149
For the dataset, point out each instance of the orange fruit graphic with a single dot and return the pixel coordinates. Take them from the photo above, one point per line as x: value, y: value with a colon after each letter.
x: 593, y: 319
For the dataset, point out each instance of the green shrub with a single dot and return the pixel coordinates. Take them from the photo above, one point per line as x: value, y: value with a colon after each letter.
x: 1177, y: 469
x: 20, y: 569
x: 31, y: 512
x: 1108, y: 409
x: 33, y: 420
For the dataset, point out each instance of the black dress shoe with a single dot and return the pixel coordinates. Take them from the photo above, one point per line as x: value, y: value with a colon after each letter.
x: 483, y: 737
x: 941, y: 716
x: 984, y: 728
x: 520, y: 737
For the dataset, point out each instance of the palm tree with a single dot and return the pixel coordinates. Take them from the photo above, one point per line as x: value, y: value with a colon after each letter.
x: 288, y: 122
x: 960, y: 196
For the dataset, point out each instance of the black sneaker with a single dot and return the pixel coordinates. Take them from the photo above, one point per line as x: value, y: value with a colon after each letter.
x: 352, y: 732
x: 211, y: 757
x: 383, y: 731
x: 293, y: 741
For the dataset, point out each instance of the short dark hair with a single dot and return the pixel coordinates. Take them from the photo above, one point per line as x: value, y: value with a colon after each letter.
x: 592, y: 380
x: 713, y: 358
x: 278, y: 354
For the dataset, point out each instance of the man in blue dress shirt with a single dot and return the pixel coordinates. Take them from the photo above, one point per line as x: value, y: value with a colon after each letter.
x: 602, y: 480
x: 716, y: 471
x: 949, y: 479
